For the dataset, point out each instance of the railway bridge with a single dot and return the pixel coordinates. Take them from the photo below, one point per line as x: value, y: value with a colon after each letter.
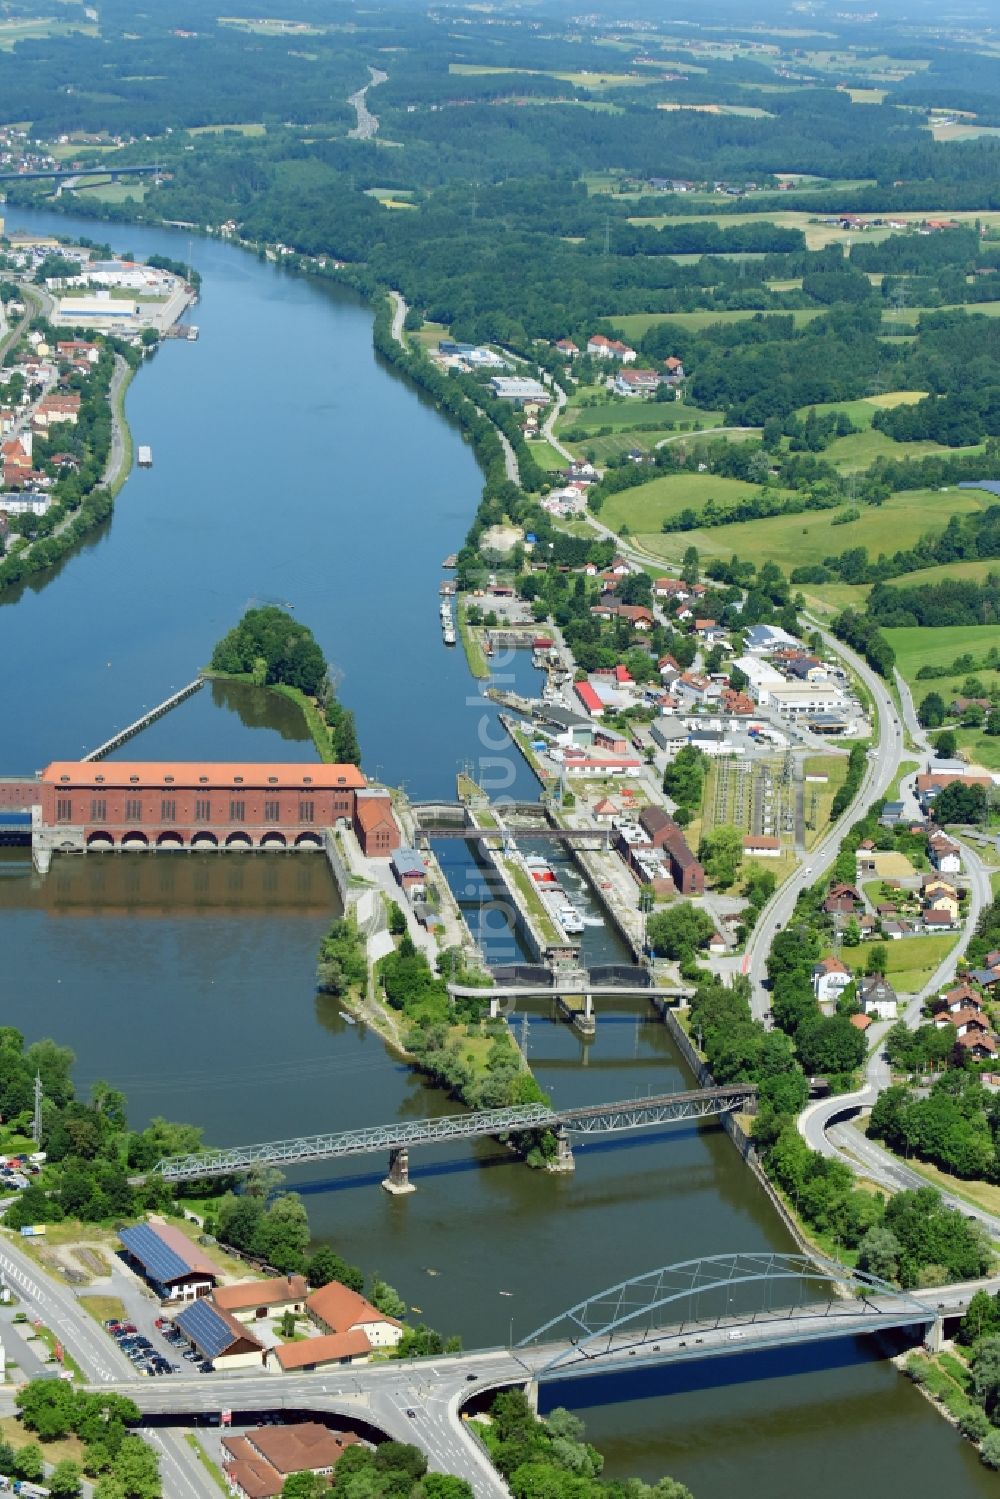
x: 399, y: 1137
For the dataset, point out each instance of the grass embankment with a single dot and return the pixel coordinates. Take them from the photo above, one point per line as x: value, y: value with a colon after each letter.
x: 212, y: 1469
x: 115, y: 481
x: 977, y: 1194
x: 945, y: 1379
x: 474, y: 654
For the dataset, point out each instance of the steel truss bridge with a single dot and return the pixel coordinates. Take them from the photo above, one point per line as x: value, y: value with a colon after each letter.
x: 400, y: 1136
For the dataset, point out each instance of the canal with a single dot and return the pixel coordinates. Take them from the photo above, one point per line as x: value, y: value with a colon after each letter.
x: 290, y: 466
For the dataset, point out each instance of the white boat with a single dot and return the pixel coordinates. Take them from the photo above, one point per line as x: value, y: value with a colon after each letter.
x: 570, y: 920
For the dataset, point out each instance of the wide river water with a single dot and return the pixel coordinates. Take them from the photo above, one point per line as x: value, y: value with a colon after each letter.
x: 290, y: 466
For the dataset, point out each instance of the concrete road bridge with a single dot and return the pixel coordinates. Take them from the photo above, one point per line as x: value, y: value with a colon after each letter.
x: 398, y: 1138
x: 715, y: 1307
x: 58, y: 174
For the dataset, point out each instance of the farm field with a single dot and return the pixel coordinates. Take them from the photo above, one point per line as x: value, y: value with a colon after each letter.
x: 853, y: 595
x: 635, y: 324
x: 817, y: 234
x: 917, y: 646
x: 793, y: 540
x: 644, y: 508
x: 112, y: 192
x: 860, y: 449
x: 626, y: 415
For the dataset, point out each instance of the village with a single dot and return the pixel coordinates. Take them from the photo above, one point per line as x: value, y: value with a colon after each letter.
x: 53, y: 389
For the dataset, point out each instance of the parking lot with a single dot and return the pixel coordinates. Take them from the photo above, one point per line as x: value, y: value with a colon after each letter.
x: 165, y: 1352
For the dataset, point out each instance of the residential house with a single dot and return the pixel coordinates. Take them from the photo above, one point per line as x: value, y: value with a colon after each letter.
x: 568, y: 348
x: 259, y: 1462
x: 606, y: 810
x: 843, y: 900
x: 829, y: 979
x: 642, y: 383
x: 737, y: 703
x: 961, y: 997
x: 336, y: 1309
x: 675, y: 369
x: 610, y: 348
x: 694, y: 686
x: 877, y: 997
x: 964, y: 1021
x: 671, y: 588
x: 944, y: 853
x: 638, y: 616
x: 669, y: 669
x: 928, y: 786
x: 939, y: 921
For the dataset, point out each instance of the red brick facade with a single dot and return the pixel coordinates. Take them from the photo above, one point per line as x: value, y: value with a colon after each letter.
x: 124, y: 803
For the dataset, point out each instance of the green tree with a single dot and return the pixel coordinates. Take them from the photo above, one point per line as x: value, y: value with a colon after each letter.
x: 931, y: 711
x: 986, y: 1375
x: 305, y: 1486
x: 49, y: 1407
x: 680, y: 931
x: 64, y: 1480
x: 29, y: 1463
x: 326, y: 1266
x: 989, y: 1449
x: 946, y: 745
x: 283, y: 1235
x: 981, y: 1320
x: 721, y: 853
x: 878, y: 1253
x: 387, y: 1299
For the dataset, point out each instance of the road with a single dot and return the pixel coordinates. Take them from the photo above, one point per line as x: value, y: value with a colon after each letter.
x: 101, y: 1360
x: 878, y: 777
x: 399, y: 310
x: 116, y: 457
x: 367, y: 125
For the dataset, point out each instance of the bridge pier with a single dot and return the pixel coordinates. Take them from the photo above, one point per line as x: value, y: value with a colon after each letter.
x: 564, y: 1152
x: 398, y: 1183
x: 934, y: 1335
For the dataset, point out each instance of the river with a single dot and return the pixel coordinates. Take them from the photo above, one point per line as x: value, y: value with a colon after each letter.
x: 289, y: 465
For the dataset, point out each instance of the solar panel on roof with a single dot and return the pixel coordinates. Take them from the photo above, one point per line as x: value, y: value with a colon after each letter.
x: 160, y: 1262
x: 207, y: 1330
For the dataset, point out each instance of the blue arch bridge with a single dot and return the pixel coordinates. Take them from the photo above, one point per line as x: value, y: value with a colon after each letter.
x: 718, y: 1306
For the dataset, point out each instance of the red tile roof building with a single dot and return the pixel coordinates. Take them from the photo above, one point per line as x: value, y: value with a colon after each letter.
x: 179, y: 804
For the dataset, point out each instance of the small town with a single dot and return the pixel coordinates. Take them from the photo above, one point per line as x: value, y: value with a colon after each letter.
x: 500, y: 781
